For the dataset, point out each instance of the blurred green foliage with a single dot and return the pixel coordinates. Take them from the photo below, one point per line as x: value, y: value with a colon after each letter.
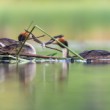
x: 75, y: 19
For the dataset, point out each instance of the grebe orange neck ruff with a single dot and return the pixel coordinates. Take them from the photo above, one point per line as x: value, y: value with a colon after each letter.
x: 23, y: 36
x: 90, y: 54
x: 65, y: 51
x: 60, y: 38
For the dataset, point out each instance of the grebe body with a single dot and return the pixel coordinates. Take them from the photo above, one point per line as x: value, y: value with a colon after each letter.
x: 6, y: 41
x: 95, y: 54
x: 90, y: 54
x: 12, y: 46
x: 60, y: 38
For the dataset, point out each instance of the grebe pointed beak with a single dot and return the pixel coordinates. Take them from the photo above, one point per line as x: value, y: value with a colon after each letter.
x: 52, y: 41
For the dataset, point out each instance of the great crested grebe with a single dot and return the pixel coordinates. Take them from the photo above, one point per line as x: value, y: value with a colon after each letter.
x: 89, y: 54
x: 65, y: 52
x: 12, y: 46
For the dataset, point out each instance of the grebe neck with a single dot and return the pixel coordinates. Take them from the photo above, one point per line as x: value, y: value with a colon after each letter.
x: 33, y: 49
x: 65, y: 53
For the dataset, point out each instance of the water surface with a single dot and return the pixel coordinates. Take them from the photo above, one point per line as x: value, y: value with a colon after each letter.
x: 54, y: 86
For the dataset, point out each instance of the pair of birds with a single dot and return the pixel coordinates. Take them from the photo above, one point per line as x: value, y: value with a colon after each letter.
x: 10, y: 45
x: 88, y: 54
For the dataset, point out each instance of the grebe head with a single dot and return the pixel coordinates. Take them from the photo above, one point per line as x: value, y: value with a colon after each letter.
x: 23, y: 36
x: 60, y: 38
x: 63, y: 41
x: 28, y: 48
x: 52, y: 40
x: 65, y: 51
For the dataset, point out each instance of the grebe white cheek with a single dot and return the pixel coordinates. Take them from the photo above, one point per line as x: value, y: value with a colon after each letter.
x: 64, y: 53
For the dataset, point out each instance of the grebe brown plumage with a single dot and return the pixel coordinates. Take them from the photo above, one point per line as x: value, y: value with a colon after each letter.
x: 95, y: 54
x: 90, y: 54
x: 12, y: 46
x: 65, y: 52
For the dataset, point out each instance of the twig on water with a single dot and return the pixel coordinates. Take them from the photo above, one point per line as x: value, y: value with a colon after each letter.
x: 37, y: 37
x: 38, y: 41
x: 34, y: 35
x: 73, y: 52
x: 33, y: 55
x: 53, y: 48
x: 24, y: 42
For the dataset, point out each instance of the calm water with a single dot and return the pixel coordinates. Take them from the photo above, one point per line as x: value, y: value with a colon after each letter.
x: 54, y: 86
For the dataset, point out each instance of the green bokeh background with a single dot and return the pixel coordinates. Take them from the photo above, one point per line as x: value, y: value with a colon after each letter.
x: 48, y: 86
x: 76, y: 19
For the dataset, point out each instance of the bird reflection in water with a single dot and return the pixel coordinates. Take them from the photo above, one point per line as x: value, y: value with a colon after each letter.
x: 26, y: 72
x: 6, y: 71
x: 55, y: 72
x: 64, y: 71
